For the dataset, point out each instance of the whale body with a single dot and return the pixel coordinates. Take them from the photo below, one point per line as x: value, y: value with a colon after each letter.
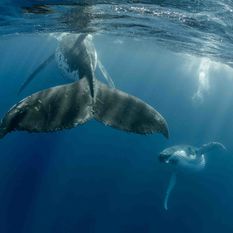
x: 185, y: 157
x: 76, y: 57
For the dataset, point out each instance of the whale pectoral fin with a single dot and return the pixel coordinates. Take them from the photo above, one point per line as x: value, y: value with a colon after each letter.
x: 35, y: 72
x: 126, y: 112
x: 171, y: 185
x: 105, y: 74
x: 210, y: 146
x: 53, y: 109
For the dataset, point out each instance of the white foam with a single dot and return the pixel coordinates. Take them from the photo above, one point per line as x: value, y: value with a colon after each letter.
x: 64, y: 67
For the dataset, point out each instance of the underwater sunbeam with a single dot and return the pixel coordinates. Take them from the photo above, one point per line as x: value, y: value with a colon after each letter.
x: 203, y: 80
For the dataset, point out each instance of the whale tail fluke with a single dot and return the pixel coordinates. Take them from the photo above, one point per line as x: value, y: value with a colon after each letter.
x: 211, y: 146
x: 35, y: 72
x: 52, y: 109
x: 126, y: 112
x: 171, y: 185
x: 3, y: 132
x: 70, y: 105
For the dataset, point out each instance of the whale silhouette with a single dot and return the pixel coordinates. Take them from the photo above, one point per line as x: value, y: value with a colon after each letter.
x: 70, y: 105
x: 185, y: 157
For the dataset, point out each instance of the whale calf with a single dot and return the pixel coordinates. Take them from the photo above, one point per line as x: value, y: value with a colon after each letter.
x: 185, y: 157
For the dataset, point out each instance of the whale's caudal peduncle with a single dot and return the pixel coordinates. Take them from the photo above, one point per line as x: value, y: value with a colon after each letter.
x: 76, y: 57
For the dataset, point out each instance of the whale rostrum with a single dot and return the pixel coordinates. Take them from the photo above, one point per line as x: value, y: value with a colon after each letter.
x: 70, y: 105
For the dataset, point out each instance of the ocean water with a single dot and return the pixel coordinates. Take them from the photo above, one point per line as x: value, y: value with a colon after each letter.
x: 174, y: 55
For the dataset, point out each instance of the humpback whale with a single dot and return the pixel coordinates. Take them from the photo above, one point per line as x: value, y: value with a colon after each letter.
x: 67, y: 106
x: 185, y: 157
x: 76, y: 56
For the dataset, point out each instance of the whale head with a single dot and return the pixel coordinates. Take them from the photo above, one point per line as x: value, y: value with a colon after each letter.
x: 184, y: 157
x: 169, y: 156
x: 178, y: 154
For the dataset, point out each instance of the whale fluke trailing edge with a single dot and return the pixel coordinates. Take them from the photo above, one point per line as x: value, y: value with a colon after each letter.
x: 70, y: 105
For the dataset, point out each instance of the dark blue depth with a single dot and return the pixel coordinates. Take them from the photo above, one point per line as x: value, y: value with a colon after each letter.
x: 95, y: 179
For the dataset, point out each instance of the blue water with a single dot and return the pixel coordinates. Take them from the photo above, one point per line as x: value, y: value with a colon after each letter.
x: 96, y: 179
